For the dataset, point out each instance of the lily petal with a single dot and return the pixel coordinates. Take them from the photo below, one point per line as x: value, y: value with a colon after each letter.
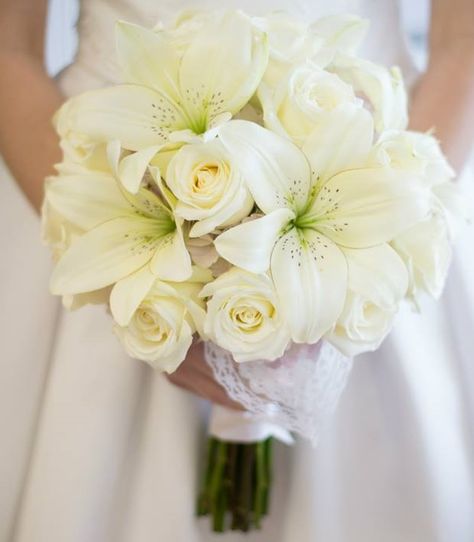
x: 148, y: 204
x: 172, y: 260
x: 137, y: 116
x: 250, y: 244
x: 341, y: 32
x: 113, y: 152
x: 365, y: 207
x: 310, y: 275
x: 87, y: 200
x: 341, y: 140
x: 166, y: 193
x: 128, y: 293
x: 216, y: 80
x: 147, y: 58
x: 377, y: 273
x: 132, y: 168
x: 275, y: 170
x: 105, y: 255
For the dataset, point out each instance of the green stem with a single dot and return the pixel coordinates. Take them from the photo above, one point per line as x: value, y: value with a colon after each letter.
x: 237, y: 482
x: 215, y: 489
x: 245, y: 490
x: 204, y: 503
x: 261, y: 482
x: 269, y: 467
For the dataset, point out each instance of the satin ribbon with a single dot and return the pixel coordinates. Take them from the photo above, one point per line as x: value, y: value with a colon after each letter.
x: 241, y: 426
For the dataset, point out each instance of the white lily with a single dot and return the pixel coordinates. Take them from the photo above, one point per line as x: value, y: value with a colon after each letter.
x: 313, y: 205
x: 132, y: 238
x: 171, y: 93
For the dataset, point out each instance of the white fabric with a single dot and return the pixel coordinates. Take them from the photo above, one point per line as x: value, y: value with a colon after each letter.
x: 97, y: 448
x: 241, y: 426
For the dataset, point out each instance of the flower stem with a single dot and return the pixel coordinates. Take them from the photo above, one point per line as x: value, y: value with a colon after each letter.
x: 261, y: 483
x: 269, y: 468
x: 236, y: 485
x: 204, y: 504
x: 216, y: 487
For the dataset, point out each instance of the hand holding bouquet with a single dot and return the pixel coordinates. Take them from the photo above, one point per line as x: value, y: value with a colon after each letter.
x: 252, y: 183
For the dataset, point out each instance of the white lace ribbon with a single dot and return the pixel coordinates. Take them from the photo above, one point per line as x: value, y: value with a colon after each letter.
x: 297, y: 392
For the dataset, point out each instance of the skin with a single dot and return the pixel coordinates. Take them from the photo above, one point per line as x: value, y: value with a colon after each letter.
x: 443, y: 98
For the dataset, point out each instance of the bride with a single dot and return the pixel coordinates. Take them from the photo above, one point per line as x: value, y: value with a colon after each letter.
x: 96, y: 448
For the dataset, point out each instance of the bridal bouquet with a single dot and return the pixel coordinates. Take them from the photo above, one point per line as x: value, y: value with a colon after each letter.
x: 252, y: 183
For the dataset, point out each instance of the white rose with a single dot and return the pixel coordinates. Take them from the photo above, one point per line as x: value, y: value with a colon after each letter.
x: 382, y: 88
x: 209, y: 188
x: 412, y: 151
x: 161, y: 329
x: 362, y: 326
x: 56, y: 232
x: 454, y: 204
x: 80, y: 152
x: 420, y: 154
x: 292, y: 41
x: 377, y: 282
x: 298, y: 103
x: 341, y: 32
x: 244, y: 316
x: 185, y: 26
x: 426, y: 250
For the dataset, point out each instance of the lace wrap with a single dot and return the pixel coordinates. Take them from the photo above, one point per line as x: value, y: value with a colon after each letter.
x: 299, y: 391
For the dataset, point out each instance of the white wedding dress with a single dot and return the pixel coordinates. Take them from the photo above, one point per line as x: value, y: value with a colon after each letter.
x: 95, y: 447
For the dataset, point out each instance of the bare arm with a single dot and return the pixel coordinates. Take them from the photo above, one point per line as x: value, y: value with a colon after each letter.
x: 444, y: 98
x: 28, y: 97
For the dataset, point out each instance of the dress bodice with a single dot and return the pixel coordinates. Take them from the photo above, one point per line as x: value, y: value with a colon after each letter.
x: 95, y: 61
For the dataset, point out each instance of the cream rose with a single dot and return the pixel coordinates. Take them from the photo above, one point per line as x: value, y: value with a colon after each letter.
x: 292, y: 41
x: 209, y: 189
x: 161, y: 329
x: 421, y: 155
x: 244, y: 316
x: 377, y: 282
x: 362, y: 326
x: 412, y: 151
x: 56, y: 232
x: 426, y: 250
x: 383, y: 89
x: 298, y: 103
